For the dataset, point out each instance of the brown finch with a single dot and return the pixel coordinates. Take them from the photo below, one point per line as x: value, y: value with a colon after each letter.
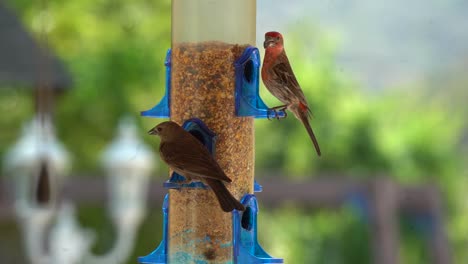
x: 279, y: 79
x: 188, y: 157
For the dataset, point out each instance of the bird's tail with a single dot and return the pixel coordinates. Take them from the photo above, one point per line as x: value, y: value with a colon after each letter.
x: 225, y: 198
x: 303, y: 113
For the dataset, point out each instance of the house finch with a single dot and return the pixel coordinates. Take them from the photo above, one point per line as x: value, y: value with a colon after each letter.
x: 279, y: 79
x: 188, y: 157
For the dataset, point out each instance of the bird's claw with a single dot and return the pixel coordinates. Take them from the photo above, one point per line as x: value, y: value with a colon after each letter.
x: 276, y: 114
x: 278, y: 117
x: 186, y: 180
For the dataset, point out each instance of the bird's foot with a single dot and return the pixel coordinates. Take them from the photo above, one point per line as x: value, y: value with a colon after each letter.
x: 181, y: 180
x: 276, y: 109
x: 186, y: 180
x: 275, y: 112
x: 285, y: 114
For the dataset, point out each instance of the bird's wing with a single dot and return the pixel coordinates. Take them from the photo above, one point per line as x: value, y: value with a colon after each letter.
x: 195, y: 160
x: 285, y: 77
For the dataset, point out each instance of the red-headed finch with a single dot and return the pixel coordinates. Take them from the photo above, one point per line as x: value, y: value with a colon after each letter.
x: 279, y: 79
x: 188, y: 157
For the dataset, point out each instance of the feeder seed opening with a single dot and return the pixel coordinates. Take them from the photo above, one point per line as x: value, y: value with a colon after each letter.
x: 249, y: 71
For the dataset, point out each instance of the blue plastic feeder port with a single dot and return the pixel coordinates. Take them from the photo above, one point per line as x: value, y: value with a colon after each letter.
x: 246, y: 247
x: 198, y: 129
x: 162, y: 109
x: 159, y: 255
x: 208, y: 138
x: 248, y: 101
x: 245, y: 244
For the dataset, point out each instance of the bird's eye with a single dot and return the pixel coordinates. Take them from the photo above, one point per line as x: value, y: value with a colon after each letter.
x: 159, y: 129
x: 277, y: 38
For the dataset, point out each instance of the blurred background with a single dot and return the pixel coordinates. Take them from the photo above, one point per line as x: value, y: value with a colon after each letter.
x: 388, y: 88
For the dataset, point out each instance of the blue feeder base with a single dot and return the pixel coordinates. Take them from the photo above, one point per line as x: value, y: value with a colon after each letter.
x: 245, y: 244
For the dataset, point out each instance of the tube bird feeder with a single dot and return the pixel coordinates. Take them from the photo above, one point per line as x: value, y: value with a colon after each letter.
x: 212, y: 91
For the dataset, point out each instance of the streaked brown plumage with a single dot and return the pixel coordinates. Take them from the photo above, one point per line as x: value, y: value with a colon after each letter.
x: 279, y: 79
x: 187, y: 156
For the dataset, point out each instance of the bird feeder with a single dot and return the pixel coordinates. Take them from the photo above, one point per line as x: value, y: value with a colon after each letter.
x: 212, y: 91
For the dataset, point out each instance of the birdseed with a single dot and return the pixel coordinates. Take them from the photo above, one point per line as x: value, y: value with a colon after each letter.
x: 203, y: 86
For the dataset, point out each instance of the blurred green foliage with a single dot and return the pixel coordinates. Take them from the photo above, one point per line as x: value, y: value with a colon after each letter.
x: 322, y: 237
x: 115, y: 52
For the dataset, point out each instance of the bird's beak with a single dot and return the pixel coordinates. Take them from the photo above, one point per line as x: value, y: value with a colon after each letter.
x: 153, y: 131
x: 268, y: 43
